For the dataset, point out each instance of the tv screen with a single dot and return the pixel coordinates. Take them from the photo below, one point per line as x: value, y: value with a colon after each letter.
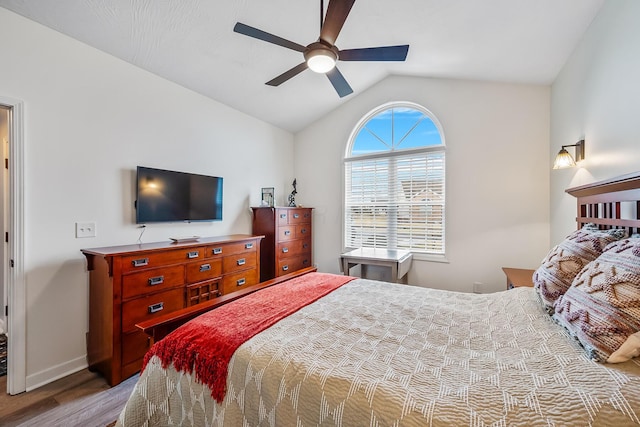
x: 169, y: 196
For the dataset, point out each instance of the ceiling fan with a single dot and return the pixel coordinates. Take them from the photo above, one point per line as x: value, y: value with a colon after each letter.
x: 321, y: 55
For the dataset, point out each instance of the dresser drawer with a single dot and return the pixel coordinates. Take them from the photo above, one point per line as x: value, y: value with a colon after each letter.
x: 203, y: 291
x: 293, y: 247
x: 282, y: 217
x: 131, y: 368
x: 239, y: 248
x: 289, y: 265
x: 238, y: 262
x: 152, y: 280
x: 237, y: 281
x: 159, y: 259
x: 148, y: 307
x: 298, y: 216
x: 290, y: 232
x: 215, y: 251
x: 134, y: 346
x: 303, y: 231
x: 204, y: 270
x: 286, y: 233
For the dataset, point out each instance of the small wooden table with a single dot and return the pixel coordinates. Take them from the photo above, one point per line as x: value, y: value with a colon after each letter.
x: 517, y: 277
x: 398, y: 261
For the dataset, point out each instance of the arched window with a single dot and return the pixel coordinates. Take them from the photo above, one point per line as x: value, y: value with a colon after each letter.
x: 395, y: 181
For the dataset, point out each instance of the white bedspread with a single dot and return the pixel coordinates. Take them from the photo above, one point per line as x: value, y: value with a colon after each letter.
x: 380, y: 354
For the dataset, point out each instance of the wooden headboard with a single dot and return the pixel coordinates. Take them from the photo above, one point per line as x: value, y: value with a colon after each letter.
x: 613, y: 203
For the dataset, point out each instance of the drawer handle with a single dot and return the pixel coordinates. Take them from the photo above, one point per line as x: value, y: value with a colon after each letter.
x: 140, y: 262
x: 287, y: 232
x: 217, y: 251
x: 283, y: 216
x: 154, y: 308
x: 303, y: 231
x: 241, y: 261
x: 285, y: 250
x: 205, y: 267
x: 248, y: 246
x: 305, y: 262
x: 296, y: 215
x: 307, y: 215
x: 192, y: 254
x: 305, y: 245
x: 285, y: 267
x: 156, y: 280
x: 240, y: 282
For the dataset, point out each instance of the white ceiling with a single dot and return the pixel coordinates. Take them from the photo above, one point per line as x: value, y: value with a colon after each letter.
x: 193, y: 44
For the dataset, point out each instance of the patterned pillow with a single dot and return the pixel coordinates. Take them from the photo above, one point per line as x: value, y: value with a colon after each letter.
x: 602, y: 306
x: 563, y: 263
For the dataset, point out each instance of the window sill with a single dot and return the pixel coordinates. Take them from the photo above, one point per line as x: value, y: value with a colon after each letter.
x: 418, y: 256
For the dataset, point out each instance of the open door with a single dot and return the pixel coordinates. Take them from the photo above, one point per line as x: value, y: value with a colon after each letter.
x: 4, y: 183
x: 12, y: 209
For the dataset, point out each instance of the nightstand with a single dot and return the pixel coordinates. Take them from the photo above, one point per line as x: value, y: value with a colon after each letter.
x: 517, y: 277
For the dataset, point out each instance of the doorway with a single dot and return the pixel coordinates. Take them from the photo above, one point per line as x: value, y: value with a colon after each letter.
x: 4, y: 180
x: 13, y: 292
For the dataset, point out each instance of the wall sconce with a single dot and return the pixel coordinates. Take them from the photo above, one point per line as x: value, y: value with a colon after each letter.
x: 564, y: 159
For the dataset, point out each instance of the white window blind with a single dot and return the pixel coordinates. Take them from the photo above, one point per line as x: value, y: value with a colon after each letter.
x: 396, y: 201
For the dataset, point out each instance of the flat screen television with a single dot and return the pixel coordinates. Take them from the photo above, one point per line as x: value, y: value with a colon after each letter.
x: 170, y: 196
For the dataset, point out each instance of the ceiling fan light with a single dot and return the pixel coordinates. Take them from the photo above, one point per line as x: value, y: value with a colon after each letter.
x: 321, y: 61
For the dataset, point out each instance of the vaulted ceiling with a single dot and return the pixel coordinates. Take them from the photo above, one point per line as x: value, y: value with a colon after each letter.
x: 193, y: 43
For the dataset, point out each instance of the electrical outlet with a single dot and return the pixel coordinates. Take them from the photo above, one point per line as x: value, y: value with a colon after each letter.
x: 85, y: 229
x: 477, y: 287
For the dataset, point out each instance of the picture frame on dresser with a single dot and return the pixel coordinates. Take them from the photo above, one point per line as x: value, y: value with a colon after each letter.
x: 268, y: 196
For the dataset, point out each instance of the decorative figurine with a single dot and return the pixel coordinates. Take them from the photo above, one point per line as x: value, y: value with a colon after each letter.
x: 292, y: 196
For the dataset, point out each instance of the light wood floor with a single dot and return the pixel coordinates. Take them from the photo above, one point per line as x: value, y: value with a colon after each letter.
x: 82, y: 399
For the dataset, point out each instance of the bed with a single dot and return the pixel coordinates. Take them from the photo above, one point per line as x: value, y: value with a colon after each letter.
x: 362, y: 352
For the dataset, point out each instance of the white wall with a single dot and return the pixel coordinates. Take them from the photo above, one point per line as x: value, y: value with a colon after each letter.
x: 596, y: 97
x: 90, y: 119
x: 497, y: 138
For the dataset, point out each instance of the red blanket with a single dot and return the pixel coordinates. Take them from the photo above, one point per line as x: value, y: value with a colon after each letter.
x: 205, y: 344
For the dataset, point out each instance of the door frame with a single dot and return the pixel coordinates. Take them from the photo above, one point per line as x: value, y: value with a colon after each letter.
x: 16, y: 285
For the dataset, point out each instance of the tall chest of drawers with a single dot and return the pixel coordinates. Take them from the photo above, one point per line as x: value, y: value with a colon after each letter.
x: 132, y: 283
x: 287, y: 245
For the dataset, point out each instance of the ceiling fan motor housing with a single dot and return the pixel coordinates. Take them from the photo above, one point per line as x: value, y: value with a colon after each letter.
x: 322, y: 54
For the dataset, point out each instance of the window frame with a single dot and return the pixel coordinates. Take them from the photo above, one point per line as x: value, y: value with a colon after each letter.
x: 347, y: 158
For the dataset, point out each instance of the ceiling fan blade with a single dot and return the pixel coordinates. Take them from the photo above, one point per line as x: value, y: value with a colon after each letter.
x: 287, y: 75
x: 263, y: 35
x: 337, y: 13
x: 383, y: 53
x: 339, y: 82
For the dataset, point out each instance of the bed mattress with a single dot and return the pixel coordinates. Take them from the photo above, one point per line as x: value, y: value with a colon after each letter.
x: 381, y: 354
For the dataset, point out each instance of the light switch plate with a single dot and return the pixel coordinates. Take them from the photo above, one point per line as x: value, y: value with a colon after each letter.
x: 85, y: 229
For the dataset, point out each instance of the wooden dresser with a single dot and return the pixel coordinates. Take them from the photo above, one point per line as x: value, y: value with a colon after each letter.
x: 133, y: 283
x: 287, y: 243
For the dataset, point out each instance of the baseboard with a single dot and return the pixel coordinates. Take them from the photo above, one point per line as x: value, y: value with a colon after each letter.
x: 56, y: 372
